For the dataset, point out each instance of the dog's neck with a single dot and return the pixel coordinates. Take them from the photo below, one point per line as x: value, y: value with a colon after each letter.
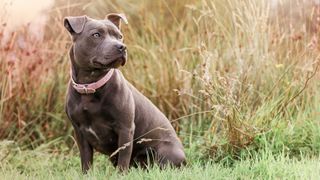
x: 85, y: 76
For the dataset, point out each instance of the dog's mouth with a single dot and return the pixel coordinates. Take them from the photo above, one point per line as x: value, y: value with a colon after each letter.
x: 115, y: 62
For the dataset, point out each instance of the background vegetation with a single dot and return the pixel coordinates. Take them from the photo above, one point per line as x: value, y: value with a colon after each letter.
x: 238, y: 79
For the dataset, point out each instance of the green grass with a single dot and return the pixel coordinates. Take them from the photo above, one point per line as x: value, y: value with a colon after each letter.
x: 42, y: 163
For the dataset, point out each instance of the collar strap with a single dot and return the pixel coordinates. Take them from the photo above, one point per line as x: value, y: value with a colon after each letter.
x: 92, y: 87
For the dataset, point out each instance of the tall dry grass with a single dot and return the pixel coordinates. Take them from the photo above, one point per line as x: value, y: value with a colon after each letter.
x: 227, y: 73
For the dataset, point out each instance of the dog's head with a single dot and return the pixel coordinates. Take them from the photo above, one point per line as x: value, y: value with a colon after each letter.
x: 97, y: 44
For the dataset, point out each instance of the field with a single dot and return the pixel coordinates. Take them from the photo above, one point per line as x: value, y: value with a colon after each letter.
x: 239, y: 81
x: 41, y: 164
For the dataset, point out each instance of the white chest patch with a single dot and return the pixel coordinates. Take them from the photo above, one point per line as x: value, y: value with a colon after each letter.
x: 90, y: 130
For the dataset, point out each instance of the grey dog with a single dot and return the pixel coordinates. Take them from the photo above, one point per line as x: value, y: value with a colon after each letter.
x: 108, y: 114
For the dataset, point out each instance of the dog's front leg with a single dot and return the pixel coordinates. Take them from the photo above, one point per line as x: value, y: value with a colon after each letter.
x: 86, y: 151
x: 125, y: 144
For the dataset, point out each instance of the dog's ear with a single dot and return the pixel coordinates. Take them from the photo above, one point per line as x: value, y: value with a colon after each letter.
x: 116, y: 18
x: 75, y: 24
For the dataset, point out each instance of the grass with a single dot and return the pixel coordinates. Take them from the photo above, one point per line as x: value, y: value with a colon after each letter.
x: 238, y: 80
x: 42, y: 163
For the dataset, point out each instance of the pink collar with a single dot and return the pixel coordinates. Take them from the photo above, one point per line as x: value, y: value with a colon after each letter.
x: 92, y: 87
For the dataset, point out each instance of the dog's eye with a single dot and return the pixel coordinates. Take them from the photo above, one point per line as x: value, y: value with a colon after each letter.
x: 120, y: 36
x: 96, y: 35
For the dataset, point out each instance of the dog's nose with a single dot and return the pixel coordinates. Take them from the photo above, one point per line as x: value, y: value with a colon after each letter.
x: 121, y: 47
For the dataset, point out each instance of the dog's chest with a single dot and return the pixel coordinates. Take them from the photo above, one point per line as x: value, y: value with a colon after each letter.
x: 89, y: 106
x: 94, y: 123
x: 102, y: 138
x: 87, y: 110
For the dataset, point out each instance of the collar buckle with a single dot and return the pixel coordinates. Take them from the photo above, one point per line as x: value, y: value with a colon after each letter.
x: 82, y: 89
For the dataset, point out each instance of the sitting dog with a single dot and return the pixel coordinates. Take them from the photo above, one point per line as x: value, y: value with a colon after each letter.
x: 108, y: 114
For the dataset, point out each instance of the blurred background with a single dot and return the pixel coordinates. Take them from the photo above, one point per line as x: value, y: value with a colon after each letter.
x: 229, y: 74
